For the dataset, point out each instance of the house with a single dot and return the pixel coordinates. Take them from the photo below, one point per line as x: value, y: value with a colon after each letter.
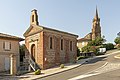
x: 82, y: 42
x: 47, y: 47
x: 9, y: 52
x: 96, y: 32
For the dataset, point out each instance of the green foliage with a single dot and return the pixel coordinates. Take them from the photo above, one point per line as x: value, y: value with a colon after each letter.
x: 37, y: 72
x: 108, y: 46
x: 103, y: 46
x: 78, y: 52
x: 91, y: 43
x: 81, y: 57
x: 86, y: 49
x: 22, y: 51
x: 94, y: 49
x: 98, y: 41
x: 22, y: 48
x: 118, y: 34
x: 117, y: 40
x: 62, y: 66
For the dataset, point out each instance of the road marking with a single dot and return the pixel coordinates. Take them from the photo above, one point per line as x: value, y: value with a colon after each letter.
x: 83, y: 76
x: 88, y: 74
x: 103, y: 69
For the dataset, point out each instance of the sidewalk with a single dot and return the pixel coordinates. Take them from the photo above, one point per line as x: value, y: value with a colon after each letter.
x: 51, y: 71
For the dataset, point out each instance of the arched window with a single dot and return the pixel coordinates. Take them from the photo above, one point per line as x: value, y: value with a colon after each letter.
x: 61, y: 44
x: 51, y: 43
x: 33, y: 52
x: 32, y: 18
x: 71, y: 45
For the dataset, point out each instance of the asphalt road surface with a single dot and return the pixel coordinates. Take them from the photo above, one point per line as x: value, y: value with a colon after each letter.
x: 102, y: 68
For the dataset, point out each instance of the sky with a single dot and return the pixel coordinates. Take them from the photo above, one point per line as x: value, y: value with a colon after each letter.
x: 74, y: 16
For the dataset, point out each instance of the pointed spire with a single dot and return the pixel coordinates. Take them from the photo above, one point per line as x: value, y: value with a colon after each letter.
x: 96, y: 14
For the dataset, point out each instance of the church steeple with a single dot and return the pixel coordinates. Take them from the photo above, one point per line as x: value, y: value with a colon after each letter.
x: 96, y: 14
x: 96, y: 28
x: 34, y: 17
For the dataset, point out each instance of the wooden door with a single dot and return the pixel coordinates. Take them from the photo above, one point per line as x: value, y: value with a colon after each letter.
x: 33, y: 52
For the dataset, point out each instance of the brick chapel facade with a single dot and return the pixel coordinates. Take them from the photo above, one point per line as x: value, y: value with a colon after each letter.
x: 49, y: 47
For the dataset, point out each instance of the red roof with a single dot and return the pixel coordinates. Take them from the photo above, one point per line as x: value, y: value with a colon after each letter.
x: 83, y: 39
x: 10, y: 37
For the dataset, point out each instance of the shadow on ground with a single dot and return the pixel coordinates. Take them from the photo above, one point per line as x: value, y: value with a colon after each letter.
x: 95, y: 60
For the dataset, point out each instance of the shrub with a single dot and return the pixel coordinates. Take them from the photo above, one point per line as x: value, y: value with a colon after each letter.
x: 37, y: 72
x: 117, y: 40
x: 103, y: 46
x: 109, y: 46
x: 62, y: 66
x: 93, y: 49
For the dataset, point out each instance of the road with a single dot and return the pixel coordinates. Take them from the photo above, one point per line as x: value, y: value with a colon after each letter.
x: 105, y: 68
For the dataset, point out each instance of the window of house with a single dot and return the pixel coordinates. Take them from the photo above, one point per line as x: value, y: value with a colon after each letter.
x: 51, y: 43
x: 71, y: 45
x: 61, y: 44
x: 7, y: 45
x: 32, y: 18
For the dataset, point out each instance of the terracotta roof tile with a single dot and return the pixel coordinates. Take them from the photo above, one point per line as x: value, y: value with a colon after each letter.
x: 2, y: 35
x: 83, y: 39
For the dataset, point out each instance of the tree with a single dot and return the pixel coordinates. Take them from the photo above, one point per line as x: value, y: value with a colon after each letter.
x: 117, y: 40
x: 86, y: 49
x: 109, y: 46
x: 118, y: 34
x: 98, y: 41
x: 22, y: 51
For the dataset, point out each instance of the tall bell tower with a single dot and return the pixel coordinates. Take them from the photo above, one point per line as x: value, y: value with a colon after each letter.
x: 34, y: 17
x: 96, y: 28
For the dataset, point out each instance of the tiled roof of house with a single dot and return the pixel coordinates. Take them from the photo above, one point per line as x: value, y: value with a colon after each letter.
x: 83, y: 39
x: 10, y: 37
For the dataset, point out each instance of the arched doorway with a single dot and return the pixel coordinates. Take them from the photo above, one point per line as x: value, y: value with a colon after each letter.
x: 33, y: 52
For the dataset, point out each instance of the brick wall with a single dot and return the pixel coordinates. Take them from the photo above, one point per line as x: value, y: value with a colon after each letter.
x: 46, y: 57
